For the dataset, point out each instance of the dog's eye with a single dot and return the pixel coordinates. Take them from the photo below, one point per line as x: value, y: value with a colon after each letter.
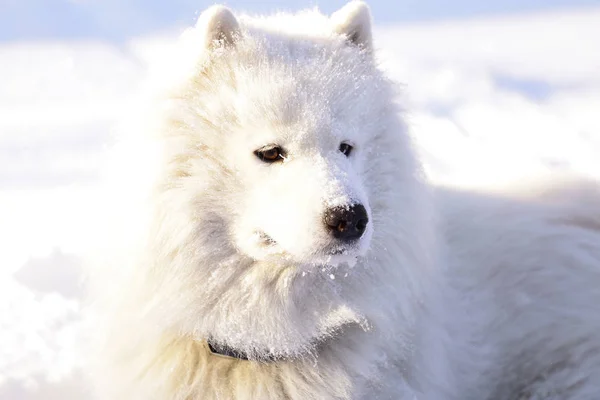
x: 346, y: 149
x: 270, y: 154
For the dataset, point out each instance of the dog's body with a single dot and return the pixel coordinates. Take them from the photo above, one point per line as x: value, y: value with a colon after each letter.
x: 523, y: 273
x: 288, y: 221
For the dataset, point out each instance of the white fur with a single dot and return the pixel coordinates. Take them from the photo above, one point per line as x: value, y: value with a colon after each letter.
x: 411, y: 310
x: 524, y: 271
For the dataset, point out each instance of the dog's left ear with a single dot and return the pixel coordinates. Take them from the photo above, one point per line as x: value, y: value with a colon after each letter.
x: 354, y: 21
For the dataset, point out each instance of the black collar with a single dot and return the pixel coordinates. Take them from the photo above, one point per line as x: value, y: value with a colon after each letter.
x: 230, y: 352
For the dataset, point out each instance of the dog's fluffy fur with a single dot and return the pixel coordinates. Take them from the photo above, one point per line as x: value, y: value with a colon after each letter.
x: 447, y: 295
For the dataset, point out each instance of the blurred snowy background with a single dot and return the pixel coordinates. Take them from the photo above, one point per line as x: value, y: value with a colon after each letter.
x: 495, y: 90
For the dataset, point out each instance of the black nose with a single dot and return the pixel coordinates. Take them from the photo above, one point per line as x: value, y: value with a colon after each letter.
x: 346, y: 223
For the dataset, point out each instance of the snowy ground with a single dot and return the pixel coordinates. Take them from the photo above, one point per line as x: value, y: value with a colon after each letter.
x: 488, y: 99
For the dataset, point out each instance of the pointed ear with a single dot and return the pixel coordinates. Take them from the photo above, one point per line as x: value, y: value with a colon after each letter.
x: 219, y: 26
x: 354, y: 21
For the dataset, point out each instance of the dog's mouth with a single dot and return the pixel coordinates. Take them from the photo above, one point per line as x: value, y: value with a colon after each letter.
x: 266, y: 240
x: 333, y: 254
x: 338, y: 250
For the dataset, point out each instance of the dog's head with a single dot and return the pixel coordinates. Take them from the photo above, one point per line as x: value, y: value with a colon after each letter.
x: 290, y: 126
x: 283, y: 150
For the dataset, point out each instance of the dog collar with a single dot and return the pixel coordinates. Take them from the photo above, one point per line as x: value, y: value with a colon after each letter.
x: 232, y: 353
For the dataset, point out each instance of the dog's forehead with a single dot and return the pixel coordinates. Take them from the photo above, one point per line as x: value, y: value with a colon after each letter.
x: 313, y: 98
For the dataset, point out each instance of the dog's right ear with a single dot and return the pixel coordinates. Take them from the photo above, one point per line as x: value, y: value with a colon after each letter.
x: 219, y: 27
x: 354, y: 22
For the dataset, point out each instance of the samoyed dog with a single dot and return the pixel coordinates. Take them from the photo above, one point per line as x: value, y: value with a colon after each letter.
x: 290, y: 247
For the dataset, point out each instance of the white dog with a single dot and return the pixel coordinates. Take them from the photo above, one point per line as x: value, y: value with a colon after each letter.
x: 293, y: 250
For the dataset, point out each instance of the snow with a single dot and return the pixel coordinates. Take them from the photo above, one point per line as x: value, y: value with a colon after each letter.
x: 488, y: 99
x: 494, y: 98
